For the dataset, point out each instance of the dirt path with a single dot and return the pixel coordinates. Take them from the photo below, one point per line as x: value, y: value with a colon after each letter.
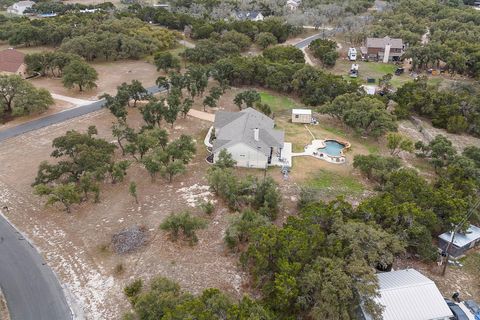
x: 202, y: 115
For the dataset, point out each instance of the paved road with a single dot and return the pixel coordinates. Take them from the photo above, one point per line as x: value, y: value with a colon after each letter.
x: 305, y: 42
x: 30, y: 287
x: 59, y: 117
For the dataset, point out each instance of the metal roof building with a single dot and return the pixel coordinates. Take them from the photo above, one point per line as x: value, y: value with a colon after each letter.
x: 462, y: 241
x: 409, y: 295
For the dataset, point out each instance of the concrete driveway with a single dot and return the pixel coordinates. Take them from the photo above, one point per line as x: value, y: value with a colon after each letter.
x: 30, y: 287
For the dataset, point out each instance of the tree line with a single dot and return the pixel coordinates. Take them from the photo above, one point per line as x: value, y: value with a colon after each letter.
x: 313, y: 86
x: 92, y: 36
x: 203, y: 28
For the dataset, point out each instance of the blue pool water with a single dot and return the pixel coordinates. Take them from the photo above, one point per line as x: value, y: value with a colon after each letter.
x: 332, y: 148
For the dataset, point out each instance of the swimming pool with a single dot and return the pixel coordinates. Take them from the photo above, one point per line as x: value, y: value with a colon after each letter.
x: 332, y: 148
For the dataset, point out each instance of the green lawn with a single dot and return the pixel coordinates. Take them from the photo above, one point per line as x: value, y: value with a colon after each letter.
x: 335, y: 184
x: 370, y: 70
x: 277, y: 102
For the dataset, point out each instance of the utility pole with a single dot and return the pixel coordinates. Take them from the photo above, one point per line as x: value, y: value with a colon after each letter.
x: 455, y: 230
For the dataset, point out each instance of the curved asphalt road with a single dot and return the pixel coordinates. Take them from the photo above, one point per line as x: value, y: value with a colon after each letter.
x: 30, y: 287
x: 59, y: 117
x: 305, y: 42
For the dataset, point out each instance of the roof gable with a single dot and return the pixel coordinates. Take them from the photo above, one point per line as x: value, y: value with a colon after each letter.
x: 240, y: 126
x: 11, y: 60
x: 382, y: 42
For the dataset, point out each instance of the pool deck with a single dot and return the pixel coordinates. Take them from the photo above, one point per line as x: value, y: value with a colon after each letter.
x: 312, y: 150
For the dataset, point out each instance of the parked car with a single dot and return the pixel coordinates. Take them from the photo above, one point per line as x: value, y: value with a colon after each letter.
x: 353, y: 71
x: 458, y: 313
x: 399, y: 71
x: 352, y: 54
x: 473, y: 307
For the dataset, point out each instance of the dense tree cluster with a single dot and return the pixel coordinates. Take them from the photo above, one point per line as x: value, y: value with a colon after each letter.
x: 49, y: 63
x: 164, y: 300
x: 321, y: 263
x: 456, y: 109
x: 324, y: 50
x: 411, y: 207
x: 365, y: 114
x: 204, y: 28
x: 59, y: 8
x: 91, y: 36
x: 454, y: 34
x: 313, y: 86
x: 19, y: 97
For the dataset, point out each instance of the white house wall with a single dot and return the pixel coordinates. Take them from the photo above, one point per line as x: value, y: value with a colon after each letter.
x: 245, y: 156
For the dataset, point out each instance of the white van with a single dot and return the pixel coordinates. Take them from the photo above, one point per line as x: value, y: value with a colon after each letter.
x: 352, y: 54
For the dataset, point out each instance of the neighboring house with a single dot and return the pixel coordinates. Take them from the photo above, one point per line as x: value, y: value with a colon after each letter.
x: 461, y: 242
x: 301, y: 115
x: 384, y: 49
x: 20, y: 7
x: 249, y: 15
x: 409, y: 295
x: 11, y: 62
x: 293, y: 5
x: 165, y: 6
x: 248, y: 136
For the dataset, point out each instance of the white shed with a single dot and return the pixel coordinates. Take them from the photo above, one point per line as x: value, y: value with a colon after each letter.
x: 301, y: 116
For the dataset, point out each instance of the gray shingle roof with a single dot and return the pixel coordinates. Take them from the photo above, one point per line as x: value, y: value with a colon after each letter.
x: 381, y: 42
x: 236, y: 127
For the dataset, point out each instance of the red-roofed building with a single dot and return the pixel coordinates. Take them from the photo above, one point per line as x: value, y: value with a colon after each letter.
x: 12, y: 62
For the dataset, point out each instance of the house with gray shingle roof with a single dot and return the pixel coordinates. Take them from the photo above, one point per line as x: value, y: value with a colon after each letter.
x: 249, y: 136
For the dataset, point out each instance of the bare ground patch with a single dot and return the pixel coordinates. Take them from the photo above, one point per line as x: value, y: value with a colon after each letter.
x: 74, y: 244
x: 110, y: 75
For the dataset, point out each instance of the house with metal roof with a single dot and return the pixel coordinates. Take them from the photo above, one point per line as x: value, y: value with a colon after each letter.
x: 409, y: 295
x: 462, y: 242
x: 249, y: 136
x: 384, y: 49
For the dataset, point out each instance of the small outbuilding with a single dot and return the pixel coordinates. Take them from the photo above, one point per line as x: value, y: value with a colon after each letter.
x: 20, y: 7
x: 301, y: 116
x: 12, y: 62
x: 461, y: 242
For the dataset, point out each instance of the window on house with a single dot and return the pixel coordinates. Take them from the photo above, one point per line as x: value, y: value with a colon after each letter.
x: 242, y: 155
x: 297, y: 116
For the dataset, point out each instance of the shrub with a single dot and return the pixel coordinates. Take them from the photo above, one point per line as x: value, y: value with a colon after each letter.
x: 133, y: 290
x: 207, y: 207
x: 242, y: 226
x: 185, y: 223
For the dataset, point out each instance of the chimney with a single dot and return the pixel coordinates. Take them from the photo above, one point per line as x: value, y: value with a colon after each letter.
x: 386, y: 54
x: 256, y: 134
